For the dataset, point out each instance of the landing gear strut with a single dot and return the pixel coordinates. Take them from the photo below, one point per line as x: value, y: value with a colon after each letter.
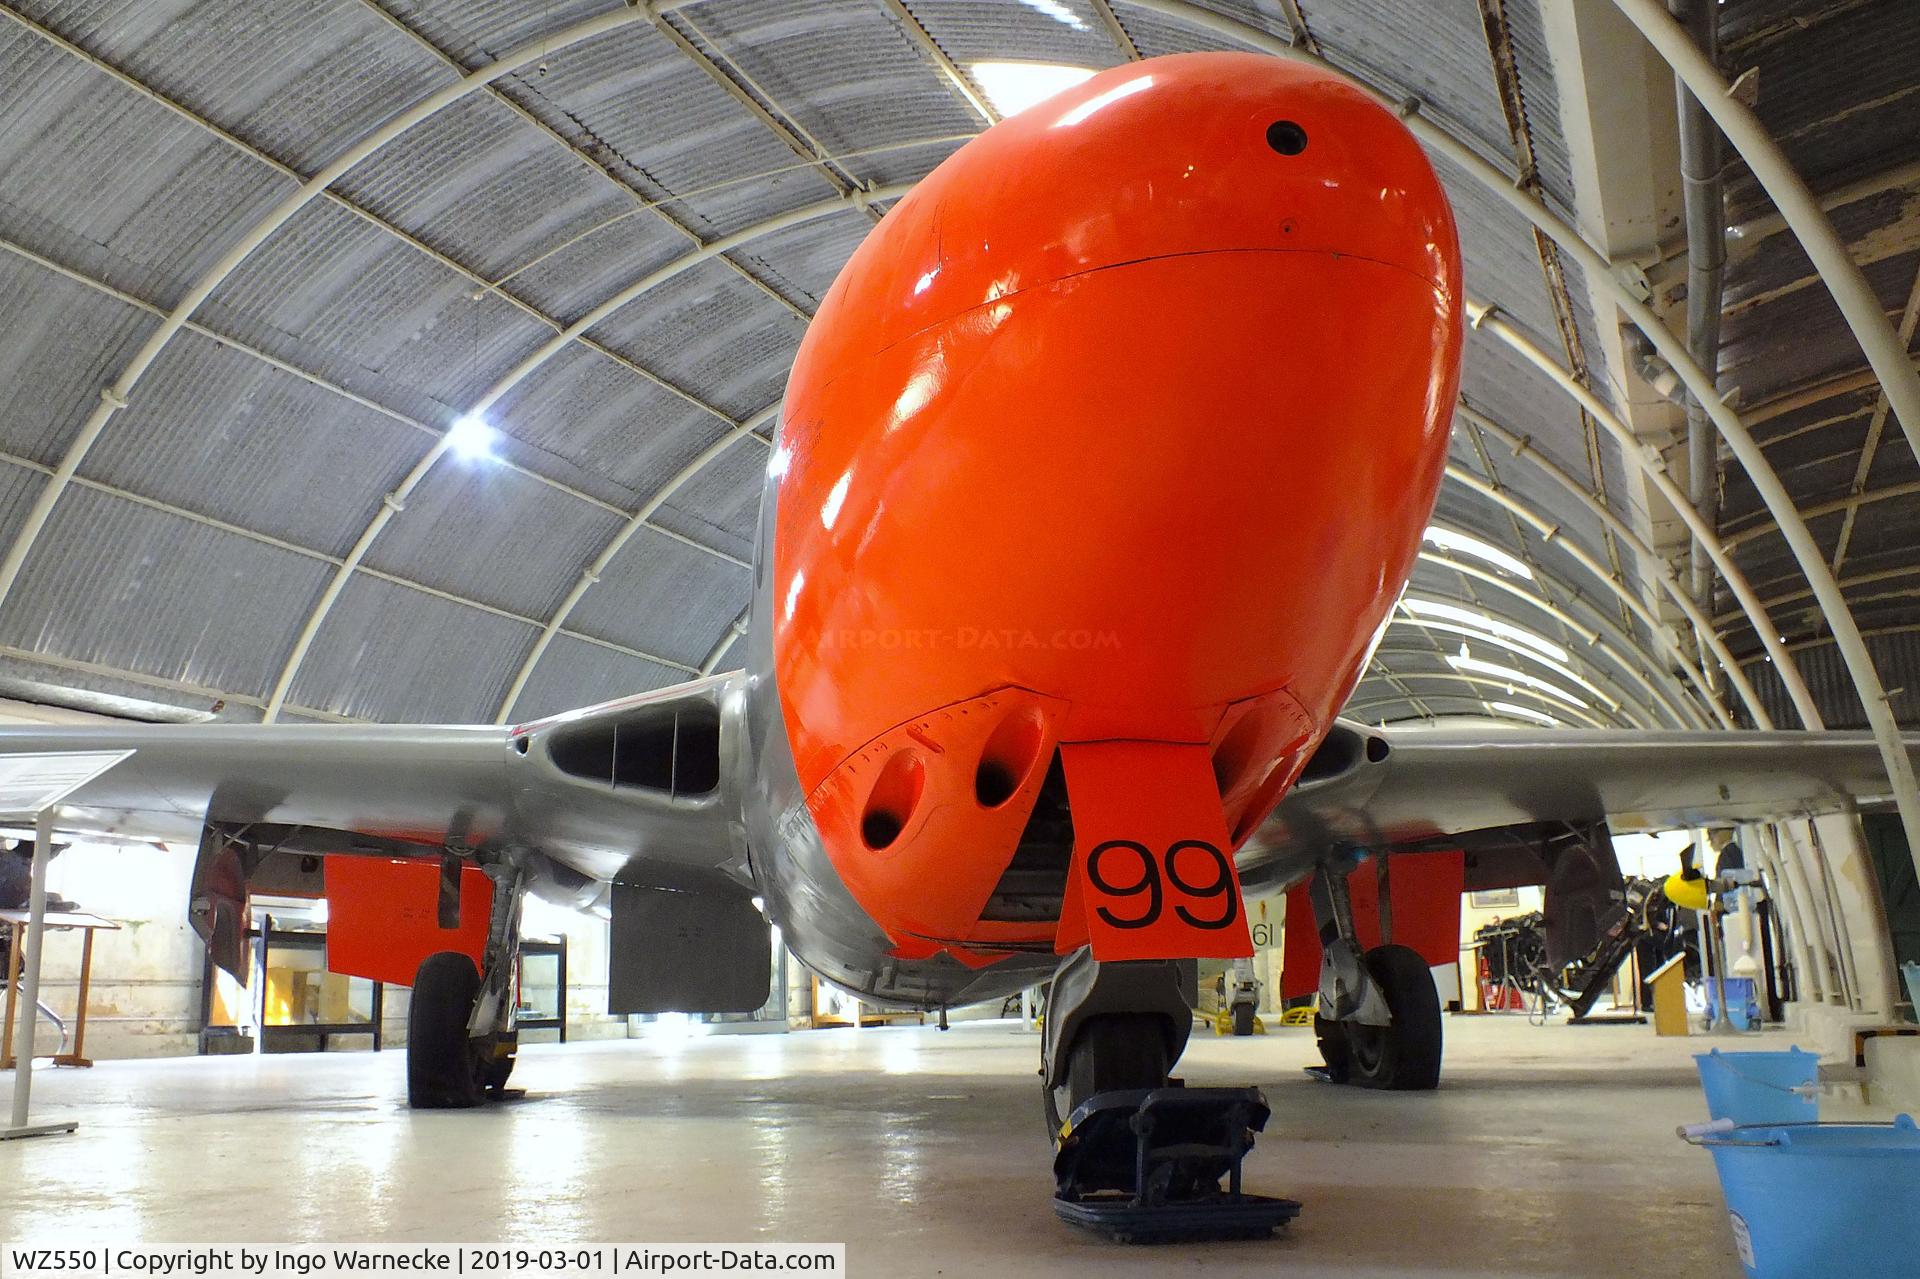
x: 1379, y: 1019
x: 1111, y: 1026
x: 460, y: 1037
x: 1138, y: 1157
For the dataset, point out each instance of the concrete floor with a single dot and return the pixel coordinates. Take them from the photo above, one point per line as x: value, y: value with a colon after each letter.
x: 1548, y: 1151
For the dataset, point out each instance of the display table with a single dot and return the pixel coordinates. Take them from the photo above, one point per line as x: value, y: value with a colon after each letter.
x: 14, y: 922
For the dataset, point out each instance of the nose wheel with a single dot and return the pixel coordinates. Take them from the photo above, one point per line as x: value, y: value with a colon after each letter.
x: 1112, y: 1052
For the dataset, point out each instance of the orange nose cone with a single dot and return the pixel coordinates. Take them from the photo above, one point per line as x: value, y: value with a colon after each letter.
x: 1138, y: 406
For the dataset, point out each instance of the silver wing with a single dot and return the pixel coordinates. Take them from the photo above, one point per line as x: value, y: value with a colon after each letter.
x: 641, y: 784
x: 1396, y: 788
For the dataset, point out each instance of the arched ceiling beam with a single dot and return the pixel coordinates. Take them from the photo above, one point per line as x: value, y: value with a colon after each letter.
x: 1590, y: 643
x: 1663, y: 571
x: 1672, y: 698
x: 1600, y: 275
x: 735, y: 629
x: 1463, y: 636
x: 115, y: 397
x: 1488, y: 319
x: 1111, y: 21
x: 1849, y: 504
x: 759, y: 102
x: 1554, y: 705
x: 598, y: 565
x: 395, y: 501
x: 918, y: 33
x: 1483, y: 709
x: 1552, y: 533
x: 1610, y: 709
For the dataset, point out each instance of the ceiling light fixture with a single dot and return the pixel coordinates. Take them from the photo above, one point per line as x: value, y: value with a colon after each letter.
x: 1493, y: 626
x: 1522, y: 712
x: 1012, y: 87
x: 471, y: 438
x: 1464, y: 661
x: 1451, y: 540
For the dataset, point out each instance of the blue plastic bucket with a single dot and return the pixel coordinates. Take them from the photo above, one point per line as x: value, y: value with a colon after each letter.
x: 1743, y: 1001
x: 1822, y: 1199
x: 1757, y: 1088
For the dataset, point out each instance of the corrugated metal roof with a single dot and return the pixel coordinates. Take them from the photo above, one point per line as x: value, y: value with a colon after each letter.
x: 586, y: 408
x: 110, y: 185
x: 387, y: 652
x: 710, y: 332
x: 222, y: 433
x: 576, y: 672
x: 60, y: 342
x: 486, y: 187
x: 663, y: 598
x: 123, y: 585
x: 158, y: 197
x: 721, y: 505
x: 300, y: 82
x: 493, y: 535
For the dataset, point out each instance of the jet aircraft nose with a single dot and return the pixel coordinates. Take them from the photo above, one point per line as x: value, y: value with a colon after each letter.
x: 1123, y: 425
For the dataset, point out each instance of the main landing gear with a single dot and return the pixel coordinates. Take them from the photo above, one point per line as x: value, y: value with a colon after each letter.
x: 460, y: 1037
x: 1379, y: 1019
x: 1138, y: 1157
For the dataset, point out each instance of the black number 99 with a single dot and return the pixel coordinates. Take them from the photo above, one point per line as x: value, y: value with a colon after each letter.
x: 1151, y: 880
x: 1148, y: 882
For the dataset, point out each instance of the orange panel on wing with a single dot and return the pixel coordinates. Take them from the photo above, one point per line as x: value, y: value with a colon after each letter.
x: 1153, y: 874
x: 383, y: 916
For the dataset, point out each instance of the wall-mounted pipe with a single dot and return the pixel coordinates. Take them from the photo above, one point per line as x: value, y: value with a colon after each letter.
x: 1703, y: 197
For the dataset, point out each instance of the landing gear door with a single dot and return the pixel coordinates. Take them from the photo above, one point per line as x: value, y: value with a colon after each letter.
x: 1153, y: 874
x: 217, y: 903
x: 707, y: 950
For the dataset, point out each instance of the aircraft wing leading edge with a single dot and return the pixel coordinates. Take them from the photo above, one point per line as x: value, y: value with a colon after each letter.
x: 570, y: 787
x: 1386, y: 788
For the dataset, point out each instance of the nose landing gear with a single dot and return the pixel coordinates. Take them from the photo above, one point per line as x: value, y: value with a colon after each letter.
x: 1139, y: 1157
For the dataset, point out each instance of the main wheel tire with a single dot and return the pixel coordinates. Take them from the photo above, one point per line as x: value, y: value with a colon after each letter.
x: 443, y: 1071
x: 1334, y: 1050
x: 495, y: 1071
x: 1110, y: 1052
x: 1243, y: 1019
x: 1405, y: 1055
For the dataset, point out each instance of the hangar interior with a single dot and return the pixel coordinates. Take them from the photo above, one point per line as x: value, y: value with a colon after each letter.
x: 421, y: 361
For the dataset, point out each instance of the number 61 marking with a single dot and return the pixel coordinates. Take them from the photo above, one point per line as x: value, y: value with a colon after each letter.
x: 1153, y: 871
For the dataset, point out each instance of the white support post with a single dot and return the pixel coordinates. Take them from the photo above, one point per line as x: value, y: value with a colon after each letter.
x: 1856, y: 896
x: 33, y: 942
